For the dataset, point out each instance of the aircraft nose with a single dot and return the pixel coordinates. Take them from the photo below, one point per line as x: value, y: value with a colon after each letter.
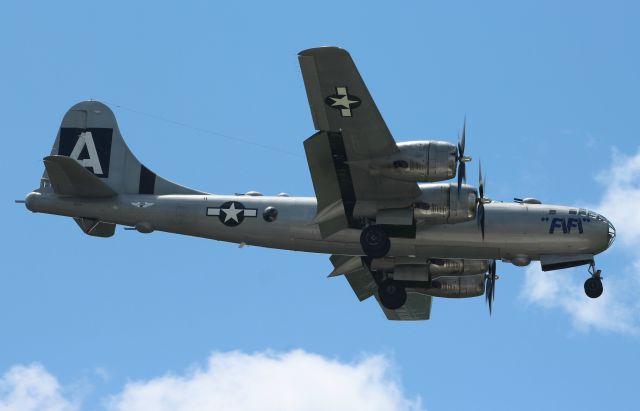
x: 605, y: 233
x: 611, y: 234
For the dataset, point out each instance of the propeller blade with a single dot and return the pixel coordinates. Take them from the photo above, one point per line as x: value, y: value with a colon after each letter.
x: 462, y: 174
x: 462, y: 168
x: 480, y: 218
x: 480, y: 200
x: 490, y: 286
x: 462, y: 139
x: 481, y: 185
x: 487, y: 284
x: 487, y: 293
x: 494, y: 278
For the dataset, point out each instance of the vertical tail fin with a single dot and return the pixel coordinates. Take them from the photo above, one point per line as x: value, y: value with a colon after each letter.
x: 90, y: 135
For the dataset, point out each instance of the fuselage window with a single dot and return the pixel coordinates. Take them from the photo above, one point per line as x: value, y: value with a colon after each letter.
x: 270, y: 214
x: 552, y: 211
x: 573, y: 212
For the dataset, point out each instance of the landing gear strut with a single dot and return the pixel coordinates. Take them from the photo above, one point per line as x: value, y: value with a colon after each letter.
x: 375, y: 241
x: 593, y: 286
x: 392, y: 294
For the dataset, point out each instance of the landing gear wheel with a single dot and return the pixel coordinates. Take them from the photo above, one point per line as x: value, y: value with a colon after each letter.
x: 392, y: 294
x: 593, y: 287
x: 375, y: 241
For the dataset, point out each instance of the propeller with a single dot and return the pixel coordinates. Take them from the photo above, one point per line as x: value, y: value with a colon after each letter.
x: 461, y: 158
x: 490, y: 285
x: 480, y: 201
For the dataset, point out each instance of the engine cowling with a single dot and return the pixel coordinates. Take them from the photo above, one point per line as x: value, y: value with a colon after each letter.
x: 457, y: 286
x: 450, y: 278
x: 441, y: 204
x: 419, y: 161
x: 458, y: 267
x: 411, y: 269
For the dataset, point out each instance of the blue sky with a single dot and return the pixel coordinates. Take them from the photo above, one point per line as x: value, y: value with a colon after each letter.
x: 549, y: 90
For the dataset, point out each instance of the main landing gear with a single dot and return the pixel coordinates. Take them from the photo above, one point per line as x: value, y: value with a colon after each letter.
x: 376, y: 244
x: 392, y: 294
x: 375, y: 241
x: 593, y: 286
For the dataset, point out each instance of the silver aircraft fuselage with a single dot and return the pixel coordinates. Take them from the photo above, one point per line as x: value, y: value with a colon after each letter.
x: 514, y: 232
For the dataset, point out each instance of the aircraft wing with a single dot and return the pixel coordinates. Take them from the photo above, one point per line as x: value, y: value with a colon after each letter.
x: 351, y: 132
x: 417, y: 307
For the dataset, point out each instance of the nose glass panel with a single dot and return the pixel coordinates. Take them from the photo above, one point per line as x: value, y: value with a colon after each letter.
x: 612, y: 233
x: 612, y: 230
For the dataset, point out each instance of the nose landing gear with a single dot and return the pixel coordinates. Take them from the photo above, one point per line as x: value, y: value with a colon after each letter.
x: 593, y: 286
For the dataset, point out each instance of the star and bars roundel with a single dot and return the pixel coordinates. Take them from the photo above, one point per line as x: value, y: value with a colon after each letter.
x: 343, y: 101
x: 232, y: 213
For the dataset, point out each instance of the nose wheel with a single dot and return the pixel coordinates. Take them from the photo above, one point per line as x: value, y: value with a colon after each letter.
x: 593, y: 286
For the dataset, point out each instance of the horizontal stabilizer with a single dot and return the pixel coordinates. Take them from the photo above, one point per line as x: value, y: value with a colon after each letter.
x: 96, y: 228
x: 70, y: 178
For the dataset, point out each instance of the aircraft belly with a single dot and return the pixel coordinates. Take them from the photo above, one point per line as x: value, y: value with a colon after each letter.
x: 449, y: 251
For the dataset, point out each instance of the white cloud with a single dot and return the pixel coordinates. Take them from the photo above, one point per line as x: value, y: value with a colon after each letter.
x: 32, y: 388
x: 295, y: 380
x: 561, y: 290
x: 265, y: 381
x: 617, y: 310
x: 622, y: 198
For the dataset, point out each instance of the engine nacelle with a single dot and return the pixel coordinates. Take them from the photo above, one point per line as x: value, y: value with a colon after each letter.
x: 429, y: 269
x: 450, y: 278
x: 418, y: 161
x: 441, y: 204
x: 457, y: 286
x: 458, y: 267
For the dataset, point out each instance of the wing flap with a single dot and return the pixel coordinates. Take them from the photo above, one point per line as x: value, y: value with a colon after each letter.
x: 362, y: 284
x: 417, y: 307
x: 328, y: 184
